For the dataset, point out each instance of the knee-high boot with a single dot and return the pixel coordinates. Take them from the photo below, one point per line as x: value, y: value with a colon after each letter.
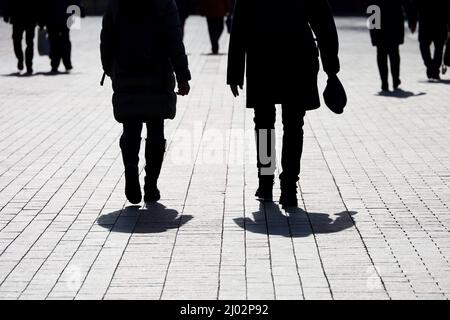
x: 130, y: 156
x: 154, y: 156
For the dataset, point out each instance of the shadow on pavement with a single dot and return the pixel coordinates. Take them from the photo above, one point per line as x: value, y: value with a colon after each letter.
x: 47, y: 74
x: 296, y: 224
x: 401, y: 94
x: 442, y: 81
x: 153, y: 218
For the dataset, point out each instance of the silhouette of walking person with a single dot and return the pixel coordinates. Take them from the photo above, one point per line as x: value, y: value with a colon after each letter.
x: 389, y: 37
x: 274, y: 41
x: 434, y: 22
x: 24, y: 16
x: 141, y: 48
x: 215, y: 12
x: 56, y: 20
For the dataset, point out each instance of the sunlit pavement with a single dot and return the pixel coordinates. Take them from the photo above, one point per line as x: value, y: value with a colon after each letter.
x: 375, y: 188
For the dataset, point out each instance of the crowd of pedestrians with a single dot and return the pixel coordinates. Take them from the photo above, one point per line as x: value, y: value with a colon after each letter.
x: 274, y: 48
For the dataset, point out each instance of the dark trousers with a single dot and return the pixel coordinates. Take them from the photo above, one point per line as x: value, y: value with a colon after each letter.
x: 293, y: 121
x: 18, y: 31
x: 215, y: 29
x: 392, y: 54
x: 130, y: 143
x: 432, y: 62
x: 60, y: 46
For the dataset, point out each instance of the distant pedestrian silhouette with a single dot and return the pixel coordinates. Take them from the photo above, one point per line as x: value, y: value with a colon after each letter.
x: 141, y: 47
x: 215, y: 12
x: 23, y: 15
x: 390, y: 37
x: 274, y: 41
x: 434, y: 23
x: 55, y: 18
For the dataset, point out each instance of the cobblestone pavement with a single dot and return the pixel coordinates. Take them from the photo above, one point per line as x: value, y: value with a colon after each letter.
x: 375, y: 189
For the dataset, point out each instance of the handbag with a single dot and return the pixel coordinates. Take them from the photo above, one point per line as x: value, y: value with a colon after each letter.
x: 335, y: 96
x: 43, y: 42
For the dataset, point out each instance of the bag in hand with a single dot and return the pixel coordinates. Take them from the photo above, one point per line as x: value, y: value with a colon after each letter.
x: 143, y: 98
x: 43, y: 42
x: 335, y: 96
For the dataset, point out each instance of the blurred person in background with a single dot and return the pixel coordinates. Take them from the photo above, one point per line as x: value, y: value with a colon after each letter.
x: 24, y: 17
x: 433, y: 17
x: 57, y: 20
x: 215, y: 12
x: 389, y: 37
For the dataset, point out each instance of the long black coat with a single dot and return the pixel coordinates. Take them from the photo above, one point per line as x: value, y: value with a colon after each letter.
x: 274, y: 40
x: 23, y: 12
x: 434, y: 19
x: 392, y: 32
x: 141, y: 48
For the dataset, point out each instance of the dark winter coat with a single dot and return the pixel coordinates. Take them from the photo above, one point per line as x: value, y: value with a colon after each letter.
x: 55, y: 12
x: 392, y: 32
x: 214, y: 8
x: 141, y: 48
x: 434, y: 19
x: 22, y: 12
x: 274, y: 41
x: 186, y: 7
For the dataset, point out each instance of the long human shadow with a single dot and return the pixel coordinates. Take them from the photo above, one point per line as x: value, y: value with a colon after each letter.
x: 153, y: 218
x: 296, y: 223
x: 442, y: 81
x: 400, y: 94
x: 35, y: 74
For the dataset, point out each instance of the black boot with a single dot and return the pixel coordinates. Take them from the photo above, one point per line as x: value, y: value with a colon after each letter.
x: 265, y: 189
x: 154, y: 156
x: 130, y: 155
x: 288, y: 197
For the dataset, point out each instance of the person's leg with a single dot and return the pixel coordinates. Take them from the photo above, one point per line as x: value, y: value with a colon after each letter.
x: 425, y: 50
x: 17, y: 36
x: 437, y: 58
x: 29, y: 52
x: 293, y: 121
x: 215, y: 28
x: 382, y: 60
x: 55, y: 47
x: 265, y: 117
x: 66, y: 48
x: 394, y: 56
x: 130, y: 144
x: 155, y: 148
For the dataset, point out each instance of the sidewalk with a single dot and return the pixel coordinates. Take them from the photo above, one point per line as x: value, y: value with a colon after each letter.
x: 375, y: 189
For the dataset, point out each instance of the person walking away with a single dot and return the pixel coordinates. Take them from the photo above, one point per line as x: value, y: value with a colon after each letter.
x: 24, y: 16
x: 388, y: 39
x: 433, y: 18
x: 141, y: 49
x: 56, y: 20
x: 215, y: 12
x: 281, y: 59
